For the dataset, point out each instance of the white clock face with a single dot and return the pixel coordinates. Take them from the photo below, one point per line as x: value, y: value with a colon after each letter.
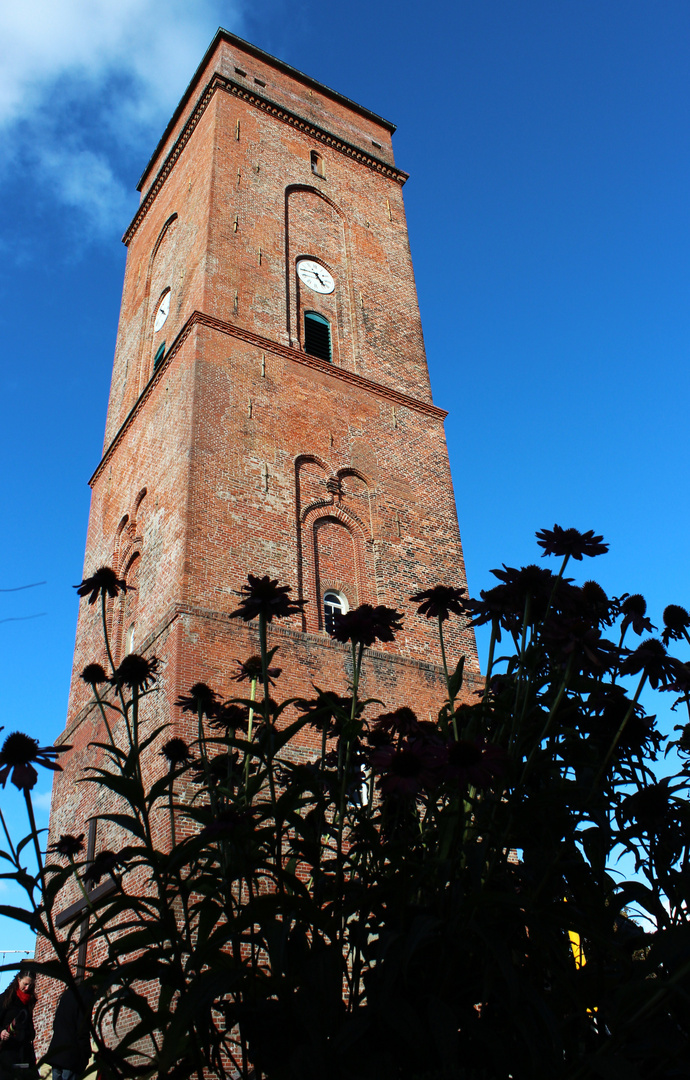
x: 315, y: 276
x: 162, y: 313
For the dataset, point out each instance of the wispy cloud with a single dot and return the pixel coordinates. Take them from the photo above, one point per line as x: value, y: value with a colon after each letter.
x: 82, y: 81
x: 41, y: 800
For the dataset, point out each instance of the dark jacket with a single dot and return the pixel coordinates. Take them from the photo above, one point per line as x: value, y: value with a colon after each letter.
x: 17, y: 1018
x: 70, y: 1046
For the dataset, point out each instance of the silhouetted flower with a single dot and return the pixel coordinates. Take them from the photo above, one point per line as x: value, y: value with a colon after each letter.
x: 572, y: 542
x: 105, y: 862
x: 651, y: 808
x: 676, y: 622
x: 231, y: 717
x: 251, y: 669
x: 633, y: 609
x: 407, y: 769
x: 176, y: 752
x: 403, y: 723
x: 68, y: 846
x: 577, y: 638
x: 681, y: 679
x: 612, y: 705
x: 501, y: 684
x: 504, y: 605
x: 328, y: 710
x: 680, y: 684
x: 473, y: 762
x: 683, y: 742
x: 366, y: 624
x: 221, y: 769
x: 438, y: 602
x: 93, y: 674
x: 651, y: 658
x: 492, y: 608
x: 200, y: 698
x: 105, y: 581
x: 596, y: 604
x: 264, y: 596
x: 18, y: 752
x: 136, y: 672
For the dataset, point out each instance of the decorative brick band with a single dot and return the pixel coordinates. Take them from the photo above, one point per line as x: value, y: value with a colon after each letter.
x: 220, y: 82
x: 198, y: 318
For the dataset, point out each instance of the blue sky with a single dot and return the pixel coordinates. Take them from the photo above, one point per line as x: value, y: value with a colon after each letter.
x: 547, y: 142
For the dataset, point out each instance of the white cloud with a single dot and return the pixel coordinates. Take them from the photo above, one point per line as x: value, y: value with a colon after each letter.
x: 156, y: 42
x: 41, y: 800
x: 84, y: 180
x: 82, y: 79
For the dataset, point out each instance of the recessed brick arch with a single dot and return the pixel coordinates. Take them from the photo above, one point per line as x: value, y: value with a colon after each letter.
x: 360, y: 503
x: 125, y: 613
x: 139, y: 500
x: 155, y: 270
x: 335, y: 554
x: 316, y: 227
x: 126, y: 563
x: 308, y: 469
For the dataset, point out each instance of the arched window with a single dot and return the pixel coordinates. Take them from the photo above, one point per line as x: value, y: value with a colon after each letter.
x: 129, y: 640
x: 334, y: 603
x: 316, y: 164
x: 160, y: 353
x: 317, y: 336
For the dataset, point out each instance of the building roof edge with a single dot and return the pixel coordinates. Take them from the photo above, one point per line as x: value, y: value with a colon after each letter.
x: 253, y: 50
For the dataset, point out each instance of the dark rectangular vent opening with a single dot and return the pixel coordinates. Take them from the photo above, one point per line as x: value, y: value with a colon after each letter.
x: 317, y: 336
x: 259, y: 82
x: 238, y: 71
x: 376, y: 144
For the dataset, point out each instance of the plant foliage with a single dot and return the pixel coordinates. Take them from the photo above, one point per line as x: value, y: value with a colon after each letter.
x: 420, y: 900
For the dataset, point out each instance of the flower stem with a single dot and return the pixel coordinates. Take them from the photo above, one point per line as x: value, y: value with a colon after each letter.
x: 490, y: 660
x: 451, y: 696
x: 549, y: 718
x: 101, y: 706
x: 250, y: 726
x: 109, y: 651
x: 620, y: 731
x: 264, y: 663
x: 34, y: 836
x: 554, y: 587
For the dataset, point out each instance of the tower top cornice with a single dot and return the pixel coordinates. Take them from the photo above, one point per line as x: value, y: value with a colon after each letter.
x: 224, y: 36
x: 280, y: 113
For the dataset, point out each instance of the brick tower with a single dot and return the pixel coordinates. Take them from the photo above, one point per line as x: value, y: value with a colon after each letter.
x: 270, y: 408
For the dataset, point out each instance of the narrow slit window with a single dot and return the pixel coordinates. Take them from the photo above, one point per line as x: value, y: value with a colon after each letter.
x: 316, y: 164
x: 333, y: 604
x: 160, y: 353
x: 317, y: 336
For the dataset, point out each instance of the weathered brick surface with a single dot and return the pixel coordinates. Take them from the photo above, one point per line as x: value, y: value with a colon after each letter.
x: 242, y: 453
